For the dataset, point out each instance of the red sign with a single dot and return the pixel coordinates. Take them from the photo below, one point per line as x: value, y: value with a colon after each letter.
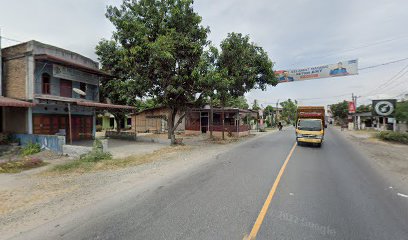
x: 351, y: 107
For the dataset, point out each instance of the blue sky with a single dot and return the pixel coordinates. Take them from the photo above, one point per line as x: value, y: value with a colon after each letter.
x: 295, y: 34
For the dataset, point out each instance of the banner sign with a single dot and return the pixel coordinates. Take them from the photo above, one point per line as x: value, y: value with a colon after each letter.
x: 384, y: 107
x: 339, y: 69
x: 351, y: 107
x: 63, y: 72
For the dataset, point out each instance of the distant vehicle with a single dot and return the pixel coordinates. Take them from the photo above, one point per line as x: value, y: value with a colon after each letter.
x: 310, y: 125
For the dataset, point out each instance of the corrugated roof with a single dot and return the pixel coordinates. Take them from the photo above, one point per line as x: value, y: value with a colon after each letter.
x: 103, y: 105
x: 11, y: 102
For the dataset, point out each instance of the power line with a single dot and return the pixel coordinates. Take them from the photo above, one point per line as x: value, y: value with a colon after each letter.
x: 383, y: 64
x: 11, y: 39
x: 389, y: 80
x: 365, y: 46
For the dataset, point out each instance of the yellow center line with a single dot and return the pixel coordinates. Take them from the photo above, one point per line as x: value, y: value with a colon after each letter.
x: 261, y: 216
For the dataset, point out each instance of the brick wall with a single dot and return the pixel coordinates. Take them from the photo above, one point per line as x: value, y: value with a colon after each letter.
x: 15, y: 74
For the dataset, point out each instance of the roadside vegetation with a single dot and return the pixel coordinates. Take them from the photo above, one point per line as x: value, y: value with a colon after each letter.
x: 21, y: 165
x: 30, y: 149
x: 22, y: 160
x: 99, y: 160
x: 393, y: 136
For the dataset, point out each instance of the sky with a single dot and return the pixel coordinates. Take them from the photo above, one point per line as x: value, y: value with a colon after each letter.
x: 294, y: 33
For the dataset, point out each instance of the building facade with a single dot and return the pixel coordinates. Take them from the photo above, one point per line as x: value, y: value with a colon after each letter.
x: 236, y: 121
x: 154, y: 120
x: 61, y: 85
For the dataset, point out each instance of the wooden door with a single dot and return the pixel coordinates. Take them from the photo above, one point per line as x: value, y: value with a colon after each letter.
x: 65, y: 88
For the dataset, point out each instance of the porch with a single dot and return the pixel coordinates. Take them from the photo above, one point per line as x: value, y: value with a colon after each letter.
x: 236, y: 121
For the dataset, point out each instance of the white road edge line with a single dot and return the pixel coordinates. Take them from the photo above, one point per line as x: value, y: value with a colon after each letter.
x: 402, y: 195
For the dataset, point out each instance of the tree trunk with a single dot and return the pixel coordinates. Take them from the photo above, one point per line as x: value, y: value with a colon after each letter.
x: 118, y: 119
x: 171, y: 128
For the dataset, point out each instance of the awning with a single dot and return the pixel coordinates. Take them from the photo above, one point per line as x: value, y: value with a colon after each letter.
x: 11, y: 102
x: 103, y: 105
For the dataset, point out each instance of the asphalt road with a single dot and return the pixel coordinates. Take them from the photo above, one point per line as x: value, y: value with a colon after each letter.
x: 324, y: 193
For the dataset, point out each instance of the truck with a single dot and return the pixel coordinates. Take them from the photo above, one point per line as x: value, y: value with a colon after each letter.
x: 310, y: 125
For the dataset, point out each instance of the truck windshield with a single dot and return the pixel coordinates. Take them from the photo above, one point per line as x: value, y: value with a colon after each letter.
x: 310, y: 125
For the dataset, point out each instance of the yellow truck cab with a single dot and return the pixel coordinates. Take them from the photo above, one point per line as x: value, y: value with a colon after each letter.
x: 310, y: 125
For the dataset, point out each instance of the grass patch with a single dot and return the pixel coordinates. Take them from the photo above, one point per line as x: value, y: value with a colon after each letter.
x: 21, y: 165
x: 393, y: 136
x: 88, y: 164
x: 30, y: 149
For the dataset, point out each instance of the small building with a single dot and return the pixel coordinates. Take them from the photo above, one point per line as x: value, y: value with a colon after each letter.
x: 154, y: 120
x: 106, y: 121
x: 61, y: 87
x: 236, y: 121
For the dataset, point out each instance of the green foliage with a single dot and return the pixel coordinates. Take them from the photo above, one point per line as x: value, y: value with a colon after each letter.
x: 88, y: 160
x: 268, y: 110
x: 238, y: 102
x: 255, y: 105
x: 401, y: 112
x: 393, y: 136
x: 363, y: 108
x: 18, y: 166
x: 95, y: 156
x: 340, y: 110
x: 155, y: 50
x: 289, y: 109
x: 30, y: 149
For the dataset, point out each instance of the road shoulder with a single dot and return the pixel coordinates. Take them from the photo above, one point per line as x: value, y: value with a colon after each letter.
x: 390, y: 160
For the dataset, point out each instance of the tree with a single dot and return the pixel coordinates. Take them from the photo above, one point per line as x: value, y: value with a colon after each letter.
x: 289, y: 109
x: 119, y: 88
x: 238, y: 102
x: 268, y: 113
x: 401, y: 112
x: 242, y: 66
x: 160, y: 45
x: 364, y: 108
x: 340, y: 110
x: 255, y: 105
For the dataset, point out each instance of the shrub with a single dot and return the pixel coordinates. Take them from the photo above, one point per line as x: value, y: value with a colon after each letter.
x: 393, y: 136
x: 18, y: 166
x: 95, y: 156
x: 30, y: 149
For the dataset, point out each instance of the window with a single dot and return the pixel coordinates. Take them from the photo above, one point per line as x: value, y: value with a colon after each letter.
x: 46, y: 86
x: 65, y: 88
x: 82, y: 86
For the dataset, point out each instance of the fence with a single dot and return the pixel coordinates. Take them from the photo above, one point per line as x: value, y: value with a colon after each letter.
x: 47, y: 142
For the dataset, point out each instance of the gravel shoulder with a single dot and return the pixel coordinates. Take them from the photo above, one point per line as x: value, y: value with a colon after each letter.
x: 31, y: 199
x: 389, y: 159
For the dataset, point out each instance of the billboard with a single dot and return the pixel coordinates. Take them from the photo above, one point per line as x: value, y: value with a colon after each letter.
x: 343, y: 68
x: 351, y: 107
x: 384, y: 107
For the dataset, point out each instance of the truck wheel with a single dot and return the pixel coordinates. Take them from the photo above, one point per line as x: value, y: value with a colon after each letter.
x: 319, y: 145
x: 299, y: 143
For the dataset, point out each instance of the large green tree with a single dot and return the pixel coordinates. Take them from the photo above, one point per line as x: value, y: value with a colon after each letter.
x: 118, y: 88
x: 401, y: 112
x: 340, y: 110
x: 289, y: 109
x: 364, y: 108
x: 159, y: 45
x: 242, y: 66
